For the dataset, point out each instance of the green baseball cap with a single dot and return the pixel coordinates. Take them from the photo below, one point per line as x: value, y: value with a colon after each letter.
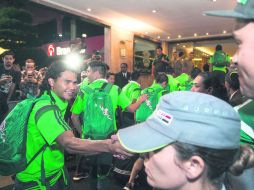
x: 243, y: 10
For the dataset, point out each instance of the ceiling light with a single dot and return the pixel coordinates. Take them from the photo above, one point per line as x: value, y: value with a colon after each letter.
x: 195, y: 34
x: 89, y: 10
x: 207, y: 34
x: 168, y: 37
x: 184, y: 46
x: 179, y: 36
x: 146, y: 32
x: 84, y: 35
x: 60, y: 35
x: 224, y: 32
x: 154, y: 11
x: 158, y: 37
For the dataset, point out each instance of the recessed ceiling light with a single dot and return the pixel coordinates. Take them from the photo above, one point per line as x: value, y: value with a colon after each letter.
x: 179, y: 36
x: 224, y: 32
x: 195, y: 34
x: 168, y: 37
x: 89, y: 10
x: 184, y: 46
x: 154, y: 11
x: 207, y: 34
x: 158, y: 37
x: 214, y: 0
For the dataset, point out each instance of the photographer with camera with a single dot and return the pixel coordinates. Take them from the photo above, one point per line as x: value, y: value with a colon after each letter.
x: 30, y: 80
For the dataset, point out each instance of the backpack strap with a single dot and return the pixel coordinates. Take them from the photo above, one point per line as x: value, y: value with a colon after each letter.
x: 106, y: 86
x: 36, y: 154
x: 44, y: 109
x: 86, y: 89
x: 38, y: 114
x: 164, y: 92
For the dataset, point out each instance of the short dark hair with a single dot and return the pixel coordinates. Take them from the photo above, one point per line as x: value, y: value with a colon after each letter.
x: 194, y: 72
x: 8, y: 53
x: 210, y: 80
x: 232, y: 80
x: 218, y: 47
x: 159, y: 47
x: 30, y: 61
x: 54, y: 71
x: 217, y: 161
x: 98, y: 66
x: 180, y: 54
x: 162, y: 77
x: 109, y: 74
x: 135, y: 75
x: 125, y: 64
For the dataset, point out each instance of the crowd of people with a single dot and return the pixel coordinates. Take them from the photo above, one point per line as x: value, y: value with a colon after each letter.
x: 185, y: 132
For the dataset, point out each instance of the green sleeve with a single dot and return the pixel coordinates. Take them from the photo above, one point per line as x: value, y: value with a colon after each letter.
x: 123, y: 101
x: 77, y: 106
x: 228, y: 58
x: 211, y: 60
x: 51, y: 130
x: 135, y: 94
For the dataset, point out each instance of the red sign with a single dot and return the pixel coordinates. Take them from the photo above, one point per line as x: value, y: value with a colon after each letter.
x: 51, y: 50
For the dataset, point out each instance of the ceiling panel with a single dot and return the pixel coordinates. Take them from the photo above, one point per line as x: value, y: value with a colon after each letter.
x: 173, y: 17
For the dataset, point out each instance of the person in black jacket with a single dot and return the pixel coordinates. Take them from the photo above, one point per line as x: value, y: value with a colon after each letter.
x: 122, y: 78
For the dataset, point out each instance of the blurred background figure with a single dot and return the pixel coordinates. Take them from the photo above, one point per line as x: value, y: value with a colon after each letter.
x: 30, y: 80
x: 123, y: 77
x: 9, y: 81
x: 218, y: 63
x: 209, y: 84
x: 110, y: 77
x: 160, y: 63
x: 188, y: 64
x: 232, y: 85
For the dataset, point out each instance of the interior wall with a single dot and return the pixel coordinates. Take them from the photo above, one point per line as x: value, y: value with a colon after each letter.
x: 118, y: 48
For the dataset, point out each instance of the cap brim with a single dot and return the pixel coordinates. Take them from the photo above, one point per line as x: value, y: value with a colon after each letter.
x: 141, y: 138
x: 225, y: 13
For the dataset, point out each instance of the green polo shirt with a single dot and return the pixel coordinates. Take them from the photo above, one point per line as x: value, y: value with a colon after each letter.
x: 49, y: 126
x: 79, y: 104
x: 131, y: 91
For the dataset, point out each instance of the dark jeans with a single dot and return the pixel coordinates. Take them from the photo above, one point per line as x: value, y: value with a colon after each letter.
x: 128, y: 119
x: 101, y: 165
x: 3, y: 106
x: 59, y: 185
x: 220, y: 75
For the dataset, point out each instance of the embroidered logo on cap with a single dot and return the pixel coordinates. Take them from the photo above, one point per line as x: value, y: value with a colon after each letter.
x: 163, y: 117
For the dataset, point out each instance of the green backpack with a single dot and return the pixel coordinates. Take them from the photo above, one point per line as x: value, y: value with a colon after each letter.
x: 220, y: 59
x: 147, y: 107
x: 13, y: 134
x: 98, y: 116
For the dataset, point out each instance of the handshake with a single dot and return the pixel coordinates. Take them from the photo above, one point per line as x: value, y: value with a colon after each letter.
x: 119, y: 151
